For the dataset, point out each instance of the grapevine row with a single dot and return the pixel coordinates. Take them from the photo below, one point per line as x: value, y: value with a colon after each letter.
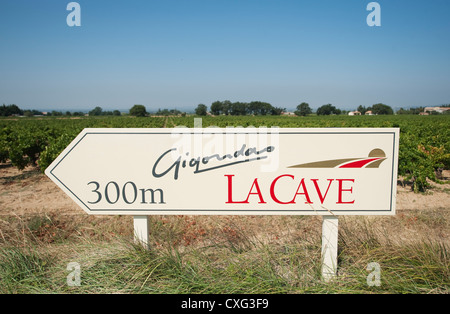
x: 424, y: 141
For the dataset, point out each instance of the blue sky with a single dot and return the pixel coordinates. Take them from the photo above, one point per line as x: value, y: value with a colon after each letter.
x: 179, y: 53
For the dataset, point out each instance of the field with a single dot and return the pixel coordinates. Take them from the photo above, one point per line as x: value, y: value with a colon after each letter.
x: 42, y: 230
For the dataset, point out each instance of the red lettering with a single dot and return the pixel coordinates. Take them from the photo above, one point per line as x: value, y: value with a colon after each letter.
x: 319, y: 193
x: 258, y: 192
x: 301, y: 190
x: 305, y: 192
x: 230, y: 191
x: 272, y: 190
x: 341, y: 190
x: 254, y: 185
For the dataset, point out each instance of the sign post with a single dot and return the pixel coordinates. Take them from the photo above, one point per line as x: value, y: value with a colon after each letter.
x: 233, y: 171
x: 141, y: 230
x: 330, y: 230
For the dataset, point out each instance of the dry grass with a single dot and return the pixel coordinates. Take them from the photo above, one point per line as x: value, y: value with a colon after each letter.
x: 214, y: 254
x: 222, y: 254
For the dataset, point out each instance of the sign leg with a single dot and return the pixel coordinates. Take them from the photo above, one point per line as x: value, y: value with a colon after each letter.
x: 330, y: 226
x: 141, y: 230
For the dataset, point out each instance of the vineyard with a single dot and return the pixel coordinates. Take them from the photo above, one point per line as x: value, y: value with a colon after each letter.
x: 424, y: 141
x: 42, y: 231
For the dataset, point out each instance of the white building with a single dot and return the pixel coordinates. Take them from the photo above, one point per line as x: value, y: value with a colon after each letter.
x: 436, y: 109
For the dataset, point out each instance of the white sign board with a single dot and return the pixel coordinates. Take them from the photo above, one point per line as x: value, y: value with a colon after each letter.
x: 232, y: 171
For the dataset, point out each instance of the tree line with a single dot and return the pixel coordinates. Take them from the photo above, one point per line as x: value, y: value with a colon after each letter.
x: 240, y: 108
x: 141, y: 111
x: 14, y: 110
x: 226, y: 107
x: 378, y: 109
x: 263, y: 108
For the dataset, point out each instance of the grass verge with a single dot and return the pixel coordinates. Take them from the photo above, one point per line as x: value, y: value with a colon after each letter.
x: 230, y: 259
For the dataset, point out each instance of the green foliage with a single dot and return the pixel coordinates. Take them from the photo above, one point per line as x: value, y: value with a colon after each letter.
x: 327, y: 110
x: 424, y: 151
x: 97, y: 111
x: 381, y: 109
x: 231, y: 259
x: 167, y: 112
x: 201, y: 110
x: 259, y: 108
x: 303, y: 109
x: 54, y: 149
x: 362, y: 109
x: 21, y: 146
x: 217, y: 108
x: 39, y: 141
x: 138, y: 111
x: 411, y: 111
x: 424, y: 144
x: 4, y: 153
x: 424, y: 140
x: 22, y: 269
x: 256, y: 108
x: 10, y: 110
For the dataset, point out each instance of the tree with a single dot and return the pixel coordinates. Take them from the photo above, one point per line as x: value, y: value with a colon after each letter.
x: 327, y: 110
x: 381, y: 109
x: 97, y: 111
x: 417, y: 110
x: 27, y: 113
x: 238, y: 109
x: 138, y: 111
x: 242, y: 108
x: 217, y: 108
x: 303, y: 109
x: 201, y: 110
x: 175, y: 112
x: 362, y: 109
x: 259, y: 108
x: 163, y: 112
x: 277, y: 111
x: 10, y: 110
x: 36, y: 112
x: 226, y: 107
x: 56, y: 113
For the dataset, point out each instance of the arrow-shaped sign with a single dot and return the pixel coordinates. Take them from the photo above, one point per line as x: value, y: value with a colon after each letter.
x: 229, y: 171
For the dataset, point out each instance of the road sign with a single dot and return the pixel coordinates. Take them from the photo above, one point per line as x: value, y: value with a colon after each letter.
x: 231, y: 171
